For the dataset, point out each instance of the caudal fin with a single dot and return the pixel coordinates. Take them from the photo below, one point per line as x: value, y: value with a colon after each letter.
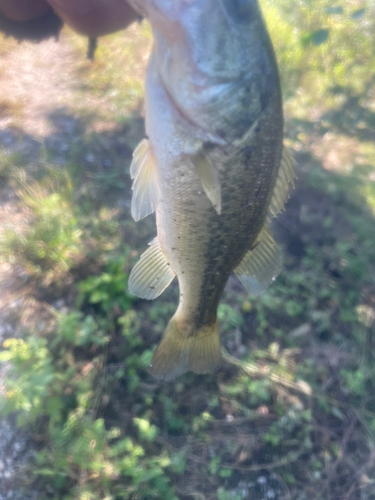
x: 182, y: 350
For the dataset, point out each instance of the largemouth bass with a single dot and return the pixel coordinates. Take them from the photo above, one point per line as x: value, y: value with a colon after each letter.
x: 212, y: 167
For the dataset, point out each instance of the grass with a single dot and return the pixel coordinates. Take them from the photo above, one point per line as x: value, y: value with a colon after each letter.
x: 291, y: 413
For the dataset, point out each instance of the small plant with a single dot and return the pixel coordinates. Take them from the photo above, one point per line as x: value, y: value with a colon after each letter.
x: 54, y: 386
x: 108, y: 289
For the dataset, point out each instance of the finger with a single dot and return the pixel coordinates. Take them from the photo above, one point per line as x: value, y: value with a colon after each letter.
x: 95, y: 17
x: 23, y: 10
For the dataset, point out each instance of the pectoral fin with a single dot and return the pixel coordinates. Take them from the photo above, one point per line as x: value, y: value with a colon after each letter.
x: 284, y: 180
x: 145, y: 186
x: 152, y: 273
x: 209, y: 177
x: 261, y: 265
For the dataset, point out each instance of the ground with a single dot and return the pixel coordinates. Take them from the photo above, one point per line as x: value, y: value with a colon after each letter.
x: 291, y: 415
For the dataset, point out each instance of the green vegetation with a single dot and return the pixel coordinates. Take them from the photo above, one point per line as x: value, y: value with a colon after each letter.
x: 292, y: 411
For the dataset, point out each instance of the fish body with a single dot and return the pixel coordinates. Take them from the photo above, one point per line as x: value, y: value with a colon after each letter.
x: 212, y: 168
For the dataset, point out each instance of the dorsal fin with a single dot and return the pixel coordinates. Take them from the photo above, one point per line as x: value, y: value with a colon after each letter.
x: 284, y: 180
x: 152, y: 273
x: 261, y: 264
x: 145, y: 185
x: 209, y: 177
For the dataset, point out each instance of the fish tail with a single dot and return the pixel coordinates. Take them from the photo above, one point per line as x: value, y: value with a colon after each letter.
x: 184, y: 349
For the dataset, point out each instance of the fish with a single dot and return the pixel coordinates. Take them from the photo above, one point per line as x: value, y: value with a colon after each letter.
x: 212, y: 167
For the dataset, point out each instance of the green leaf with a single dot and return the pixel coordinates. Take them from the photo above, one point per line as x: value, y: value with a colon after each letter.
x: 146, y: 430
x: 320, y: 36
x: 98, y: 296
x: 44, y: 472
x: 5, y: 356
x: 358, y: 13
x: 214, y: 465
x: 338, y: 413
x: 225, y: 472
x: 317, y: 37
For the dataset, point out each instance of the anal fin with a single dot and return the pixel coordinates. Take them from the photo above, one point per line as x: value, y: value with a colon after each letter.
x: 145, y: 186
x: 152, y: 273
x: 284, y: 181
x: 209, y: 177
x: 261, y: 265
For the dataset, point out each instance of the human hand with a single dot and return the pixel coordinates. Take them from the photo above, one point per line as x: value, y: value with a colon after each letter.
x: 92, y: 18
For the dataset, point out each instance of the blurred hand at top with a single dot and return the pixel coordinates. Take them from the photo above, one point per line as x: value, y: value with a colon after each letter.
x: 89, y: 17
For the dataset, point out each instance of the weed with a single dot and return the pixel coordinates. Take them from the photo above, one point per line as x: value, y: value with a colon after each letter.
x: 108, y: 289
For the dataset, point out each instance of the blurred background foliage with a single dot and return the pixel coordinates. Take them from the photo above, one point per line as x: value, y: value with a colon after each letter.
x: 291, y: 415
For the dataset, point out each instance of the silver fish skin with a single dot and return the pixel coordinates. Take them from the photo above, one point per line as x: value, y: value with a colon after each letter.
x: 212, y: 167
